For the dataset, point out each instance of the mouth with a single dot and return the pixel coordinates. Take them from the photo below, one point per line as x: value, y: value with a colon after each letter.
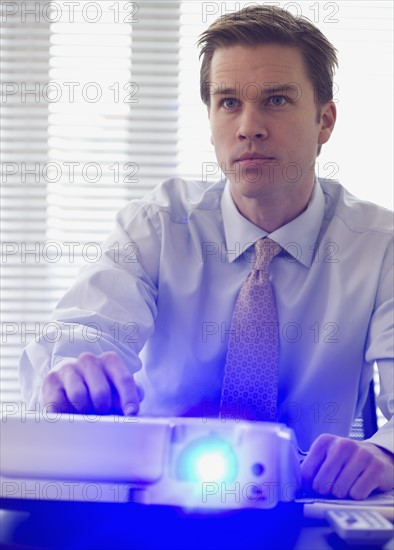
x: 253, y: 157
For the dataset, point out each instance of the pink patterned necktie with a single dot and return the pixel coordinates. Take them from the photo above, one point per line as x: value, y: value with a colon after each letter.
x: 250, y: 383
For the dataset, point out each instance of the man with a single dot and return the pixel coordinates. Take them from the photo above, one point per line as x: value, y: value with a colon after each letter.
x: 169, y: 297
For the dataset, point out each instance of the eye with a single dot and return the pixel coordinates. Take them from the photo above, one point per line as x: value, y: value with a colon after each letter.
x: 277, y: 100
x: 230, y: 103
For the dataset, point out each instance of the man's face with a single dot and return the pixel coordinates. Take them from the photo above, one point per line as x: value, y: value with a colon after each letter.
x: 264, y: 121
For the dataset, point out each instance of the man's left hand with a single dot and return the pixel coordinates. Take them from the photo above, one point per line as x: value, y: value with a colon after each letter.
x: 344, y: 468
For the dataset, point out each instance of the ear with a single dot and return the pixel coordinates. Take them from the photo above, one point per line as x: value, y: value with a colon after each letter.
x: 209, y: 118
x: 327, y: 121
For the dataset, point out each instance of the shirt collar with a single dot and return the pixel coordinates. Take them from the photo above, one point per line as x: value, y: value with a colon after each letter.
x: 298, y: 237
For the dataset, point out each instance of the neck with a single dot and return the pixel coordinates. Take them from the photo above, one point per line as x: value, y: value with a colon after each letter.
x: 272, y: 212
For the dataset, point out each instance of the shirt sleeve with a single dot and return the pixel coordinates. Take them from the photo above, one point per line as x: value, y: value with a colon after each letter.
x: 110, y: 307
x: 379, y: 348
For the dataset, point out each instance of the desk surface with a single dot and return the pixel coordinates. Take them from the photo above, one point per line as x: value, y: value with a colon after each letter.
x: 75, y: 525
x: 55, y: 524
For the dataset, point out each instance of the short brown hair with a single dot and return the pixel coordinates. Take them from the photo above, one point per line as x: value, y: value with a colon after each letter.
x: 258, y: 25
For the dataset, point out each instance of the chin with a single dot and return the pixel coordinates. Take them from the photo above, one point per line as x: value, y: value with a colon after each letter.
x: 253, y: 190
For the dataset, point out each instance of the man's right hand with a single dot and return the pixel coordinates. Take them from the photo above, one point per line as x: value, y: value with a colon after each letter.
x: 99, y: 384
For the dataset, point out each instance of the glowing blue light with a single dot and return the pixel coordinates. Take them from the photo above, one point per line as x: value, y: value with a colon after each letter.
x: 207, y: 459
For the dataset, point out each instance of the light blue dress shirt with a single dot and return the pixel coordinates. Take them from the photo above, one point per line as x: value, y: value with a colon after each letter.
x: 163, y: 294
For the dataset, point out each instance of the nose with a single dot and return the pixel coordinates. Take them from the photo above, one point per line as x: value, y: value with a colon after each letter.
x: 251, y: 125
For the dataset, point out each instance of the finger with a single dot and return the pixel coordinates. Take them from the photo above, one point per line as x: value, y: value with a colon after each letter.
x: 140, y: 392
x: 374, y: 476
x: 363, y: 486
x: 76, y: 391
x: 350, y: 473
x: 53, y: 395
x: 59, y: 403
x: 98, y: 386
x: 328, y: 478
x: 51, y: 387
x: 122, y: 381
x: 316, y: 457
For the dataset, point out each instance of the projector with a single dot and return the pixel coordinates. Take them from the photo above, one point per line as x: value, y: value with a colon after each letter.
x: 199, y: 463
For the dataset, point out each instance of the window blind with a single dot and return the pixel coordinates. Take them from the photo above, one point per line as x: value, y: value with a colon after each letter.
x: 25, y: 43
x: 89, y: 120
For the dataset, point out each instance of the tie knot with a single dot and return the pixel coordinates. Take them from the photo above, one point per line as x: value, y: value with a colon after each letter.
x: 265, y: 250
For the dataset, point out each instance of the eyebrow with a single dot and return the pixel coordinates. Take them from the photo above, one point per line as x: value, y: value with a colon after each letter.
x: 267, y: 89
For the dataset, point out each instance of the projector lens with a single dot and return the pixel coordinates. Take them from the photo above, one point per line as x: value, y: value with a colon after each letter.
x: 207, y: 459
